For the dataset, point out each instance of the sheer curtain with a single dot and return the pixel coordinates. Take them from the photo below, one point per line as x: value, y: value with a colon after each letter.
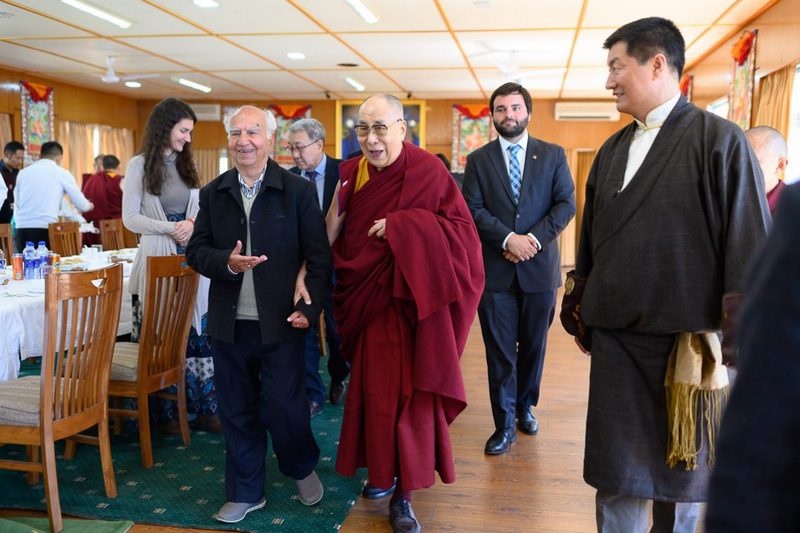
x: 6, y: 135
x: 117, y: 142
x: 207, y: 162
x: 76, y: 138
x: 774, y: 99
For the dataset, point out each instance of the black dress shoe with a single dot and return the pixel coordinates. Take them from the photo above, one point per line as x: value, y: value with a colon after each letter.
x: 337, y: 391
x: 528, y: 423
x: 371, y: 492
x: 314, y: 408
x: 402, y: 517
x: 500, y: 440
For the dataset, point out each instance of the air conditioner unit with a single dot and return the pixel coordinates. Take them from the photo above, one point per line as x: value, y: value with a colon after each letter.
x: 207, y: 112
x: 587, y: 111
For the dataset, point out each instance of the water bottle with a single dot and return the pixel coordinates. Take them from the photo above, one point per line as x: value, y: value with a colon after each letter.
x: 44, y: 259
x: 30, y: 263
x: 2, y: 265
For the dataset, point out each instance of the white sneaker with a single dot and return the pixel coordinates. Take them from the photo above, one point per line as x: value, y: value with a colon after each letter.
x: 310, y: 489
x: 233, y: 512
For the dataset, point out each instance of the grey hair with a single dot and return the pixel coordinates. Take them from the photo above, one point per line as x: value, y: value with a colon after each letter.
x: 269, y: 119
x: 313, y: 128
x: 394, y: 102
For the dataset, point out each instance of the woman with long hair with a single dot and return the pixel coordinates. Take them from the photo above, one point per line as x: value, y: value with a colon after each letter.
x: 160, y: 202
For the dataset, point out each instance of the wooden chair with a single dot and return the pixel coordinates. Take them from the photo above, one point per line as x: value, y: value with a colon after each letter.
x: 65, y: 238
x: 6, y: 242
x: 111, y: 236
x: 159, y: 359
x: 129, y: 238
x: 71, y: 394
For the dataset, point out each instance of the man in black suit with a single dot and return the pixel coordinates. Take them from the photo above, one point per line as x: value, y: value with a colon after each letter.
x: 257, y: 224
x: 755, y: 485
x: 521, y: 195
x: 307, y: 146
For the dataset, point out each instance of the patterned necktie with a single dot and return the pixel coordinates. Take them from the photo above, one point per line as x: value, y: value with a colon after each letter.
x: 312, y: 176
x: 514, y: 172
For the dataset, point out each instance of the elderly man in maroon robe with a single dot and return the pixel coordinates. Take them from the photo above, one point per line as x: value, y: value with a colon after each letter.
x: 771, y: 151
x: 409, y: 275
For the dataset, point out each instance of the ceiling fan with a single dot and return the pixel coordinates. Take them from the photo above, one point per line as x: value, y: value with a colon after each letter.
x: 111, y: 77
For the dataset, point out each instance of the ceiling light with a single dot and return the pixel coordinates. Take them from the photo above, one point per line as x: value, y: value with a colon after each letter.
x: 205, y: 3
x: 99, y: 13
x: 359, y: 7
x: 355, y: 85
x: 194, y: 85
x: 133, y: 84
x: 296, y: 55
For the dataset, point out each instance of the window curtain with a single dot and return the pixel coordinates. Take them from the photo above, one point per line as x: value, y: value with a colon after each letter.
x: 207, y: 162
x: 6, y: 135
x: 117, y: 142
x: 76, y: 138
x: 774, y: 99
x: 580, y: 161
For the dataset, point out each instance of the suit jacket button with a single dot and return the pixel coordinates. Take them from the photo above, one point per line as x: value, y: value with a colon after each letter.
x: 233, y: 308
x: 517, y: 216
x: 241, y: 221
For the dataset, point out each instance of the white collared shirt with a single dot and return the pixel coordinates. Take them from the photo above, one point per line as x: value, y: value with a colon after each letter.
x: 523, y: 144
x: 645, y: 136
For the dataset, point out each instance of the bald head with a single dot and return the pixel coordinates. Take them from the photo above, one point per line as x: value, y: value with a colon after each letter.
x: 392, y: 102
x: 771, y: 150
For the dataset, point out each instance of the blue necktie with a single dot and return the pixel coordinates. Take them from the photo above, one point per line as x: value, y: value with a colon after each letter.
x: 311, y: 175
x: 514, y: 172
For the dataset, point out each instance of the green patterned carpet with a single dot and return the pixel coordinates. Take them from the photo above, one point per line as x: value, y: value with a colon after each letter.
x: 186, y: 484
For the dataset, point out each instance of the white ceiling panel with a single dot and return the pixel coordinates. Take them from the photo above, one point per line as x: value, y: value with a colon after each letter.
x: 408, y: 49
x: 512, y: 14
x: 14, y: 56
x: 700, y: 46
x: 237, y: 16
x: 321, y: 51
x: 338, y: 16
x: 16, y: 22
x: 536, y: 82
x: 742, y: 12
x: 95, y: 51
x: 588, y: 79
x: 601, y: 13
x: 333, y: 80
x: 589, y: 51
x: 521, y: 48
x: 435, y: 80
x: 201, y: 52
x: 270, y: 81
x: 145, y: 19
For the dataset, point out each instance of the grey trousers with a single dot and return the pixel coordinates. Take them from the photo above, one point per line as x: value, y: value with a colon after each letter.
x: 626, y: 514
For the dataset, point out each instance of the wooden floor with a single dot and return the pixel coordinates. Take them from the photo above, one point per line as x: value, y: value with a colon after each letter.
x: 536, y: 487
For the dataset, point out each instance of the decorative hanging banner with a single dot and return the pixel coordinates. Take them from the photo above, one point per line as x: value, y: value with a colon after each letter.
x: 38, y: 122
x: 744, y: 71
x: 472, y: 128
x: 285, y: 116
x: 687, y: 82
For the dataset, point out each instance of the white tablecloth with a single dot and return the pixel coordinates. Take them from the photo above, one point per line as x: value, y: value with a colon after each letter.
x: 22, y: 316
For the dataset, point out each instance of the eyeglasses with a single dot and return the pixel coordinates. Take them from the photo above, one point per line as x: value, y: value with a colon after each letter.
x: 380, y: 130
x: 299, y: 149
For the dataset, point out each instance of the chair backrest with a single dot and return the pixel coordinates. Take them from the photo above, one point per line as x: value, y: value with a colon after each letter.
x: 65, y: 238
x: 111, y: 234
x: 130, y: 239
x: 6, y: 242
x: 81, y: 319
x: 167, y: 317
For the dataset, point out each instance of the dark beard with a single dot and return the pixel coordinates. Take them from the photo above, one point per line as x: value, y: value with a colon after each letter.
x: 509, y: 132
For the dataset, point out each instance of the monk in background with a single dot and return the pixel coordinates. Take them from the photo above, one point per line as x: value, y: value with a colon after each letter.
x: 104, y: 190
x: 409, y: 275
x: 771, y: 151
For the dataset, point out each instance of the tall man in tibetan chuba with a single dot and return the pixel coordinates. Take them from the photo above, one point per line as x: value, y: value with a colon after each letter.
x: 307, y: 146
x: 408, y: 279
x: 675, y: 211
x: 521, y: 195
x: 257, y: 224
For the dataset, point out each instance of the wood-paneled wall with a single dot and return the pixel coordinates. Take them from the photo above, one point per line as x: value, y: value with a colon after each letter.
x: 70, y: 102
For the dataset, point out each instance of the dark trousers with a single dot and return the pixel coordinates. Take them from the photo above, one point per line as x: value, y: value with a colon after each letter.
x: 261, y: 389
x: 338, y: 368
x: 33, y: 235
x: 514, y: 326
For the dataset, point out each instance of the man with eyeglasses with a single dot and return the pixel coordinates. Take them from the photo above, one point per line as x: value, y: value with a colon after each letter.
x: 408, y: 279
x: 307, y: 146
x: 520, y: 192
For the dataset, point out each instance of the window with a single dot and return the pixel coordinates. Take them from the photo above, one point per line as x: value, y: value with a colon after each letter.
x: 792, y: 173
x: 719, y: 107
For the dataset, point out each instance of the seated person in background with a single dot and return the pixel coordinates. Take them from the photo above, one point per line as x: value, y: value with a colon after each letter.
x: 97, y: 166
x: 37, y: 196
x: 104, y: 190
x: 770, y: 149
